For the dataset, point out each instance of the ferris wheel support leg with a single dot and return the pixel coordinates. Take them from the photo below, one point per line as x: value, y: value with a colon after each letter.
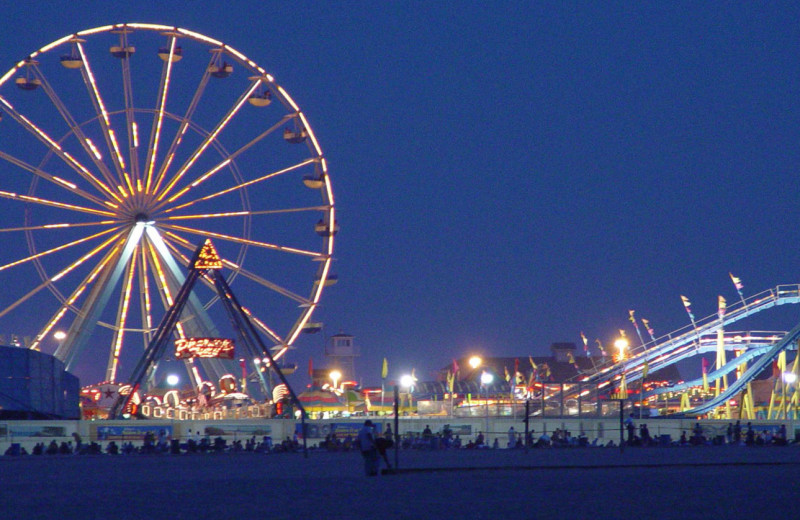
x: 81, y: 328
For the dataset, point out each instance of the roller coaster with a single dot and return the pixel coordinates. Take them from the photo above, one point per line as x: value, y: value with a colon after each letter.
x: 740, y: 356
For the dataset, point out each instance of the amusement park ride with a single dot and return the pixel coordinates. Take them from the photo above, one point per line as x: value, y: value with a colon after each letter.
x: 740, y: 357
x: 124, y: 147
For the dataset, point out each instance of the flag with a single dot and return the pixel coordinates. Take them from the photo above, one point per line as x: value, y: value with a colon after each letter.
x: 455, y: 367
x: 645, y: 369
x: 385, y: 369
x: 310, y: 367
x: 622, y: 333
x: 600, y: 346
x: 721, y: 306
x: 585, y: 343
x: 533, y: 365
x: 704, y: 364
x: 688, y: 305
x: 571, y: 359
x: 631, y: 317
x: 508, y: 376
x: 516, y: 370
x: 649, y: 328
x: 545, y: 372
x: 451, y: 378
x: 736, y: 282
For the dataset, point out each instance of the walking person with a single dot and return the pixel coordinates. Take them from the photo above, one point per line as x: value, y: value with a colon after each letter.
x: 369, y: 450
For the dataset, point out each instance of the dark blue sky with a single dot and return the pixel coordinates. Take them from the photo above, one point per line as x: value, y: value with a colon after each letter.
x: 509, y: 174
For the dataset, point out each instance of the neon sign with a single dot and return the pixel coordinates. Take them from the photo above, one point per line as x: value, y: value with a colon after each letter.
x: 204, y: 348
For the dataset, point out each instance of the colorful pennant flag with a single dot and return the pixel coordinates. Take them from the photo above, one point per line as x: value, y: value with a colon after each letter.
x: 736, y: 282
x: 385, y: 369
x: 649, y: 329
x: 688, y: 305
x: 585, y: 343
x: 721, y: 306
x: 645, y: 369
x: 600, y: 346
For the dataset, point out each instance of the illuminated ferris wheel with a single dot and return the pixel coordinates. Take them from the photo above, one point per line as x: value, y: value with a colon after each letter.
x: 124, y: 147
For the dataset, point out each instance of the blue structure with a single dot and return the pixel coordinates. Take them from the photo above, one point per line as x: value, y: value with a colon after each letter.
x: 35, y: 385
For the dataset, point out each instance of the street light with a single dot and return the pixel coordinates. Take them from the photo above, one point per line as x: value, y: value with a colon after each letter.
x: 486, y: 380
x: 335, y: 376
x: 789, y: 378
x: 407, y: 382
x: 173, y: 379
x: 622, y: 345
x: 475, y: 362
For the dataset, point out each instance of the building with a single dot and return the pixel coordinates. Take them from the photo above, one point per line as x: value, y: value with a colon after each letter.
x: 35, y: 385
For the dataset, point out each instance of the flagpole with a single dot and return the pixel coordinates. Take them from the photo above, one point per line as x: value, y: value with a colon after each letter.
x: 641, y: 389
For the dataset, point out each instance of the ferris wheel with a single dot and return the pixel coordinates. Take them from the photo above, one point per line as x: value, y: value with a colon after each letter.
x: 122, y: 148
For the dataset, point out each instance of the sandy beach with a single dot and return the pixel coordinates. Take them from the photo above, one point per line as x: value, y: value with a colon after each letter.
x: 680, y: 483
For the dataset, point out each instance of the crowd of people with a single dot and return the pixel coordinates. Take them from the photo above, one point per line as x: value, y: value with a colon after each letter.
x: 736, y: 434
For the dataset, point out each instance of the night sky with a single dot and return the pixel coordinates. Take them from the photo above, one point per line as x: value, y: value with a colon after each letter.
x: 510, y: 174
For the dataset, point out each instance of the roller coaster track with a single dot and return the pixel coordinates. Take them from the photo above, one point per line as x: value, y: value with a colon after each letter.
x: 701, y: 338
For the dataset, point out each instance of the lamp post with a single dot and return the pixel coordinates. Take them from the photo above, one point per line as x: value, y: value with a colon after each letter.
x: 622, y: 344
x: 335, y: 376
x: 486, y: 380
x: 407, y: 382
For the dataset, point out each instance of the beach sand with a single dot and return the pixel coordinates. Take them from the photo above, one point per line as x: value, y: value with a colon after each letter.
x: 592, y: 483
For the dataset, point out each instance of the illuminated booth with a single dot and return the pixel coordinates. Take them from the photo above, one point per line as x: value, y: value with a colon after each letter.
x: 35, y: 385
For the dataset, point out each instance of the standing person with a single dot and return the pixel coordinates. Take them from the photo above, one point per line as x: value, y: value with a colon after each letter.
x: 369, y: 450
x: 631, y: 427
x: 512, y: 438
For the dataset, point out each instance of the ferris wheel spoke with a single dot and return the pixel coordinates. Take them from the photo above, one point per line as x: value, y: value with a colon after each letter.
x: 238, y: 269
x: 205, y: 176
x: 248, y: 213
x: 244, y: 184
x: 58, y: 181
x: 121, y: 320
x: 130, y: 120
x: 56, y: 249
x: 264, y: 328
x: 88, y: 146
x: 187, y: 118
x: 50, y: 143
x: 69, y: 302
x: 245, y: 241
x: 144, y: 296
x: 155, y: 130
x: 58, y: 276
x: 45, y: 202
x: 60, y: 225
x: 209, y: 139
x: 108, y: 133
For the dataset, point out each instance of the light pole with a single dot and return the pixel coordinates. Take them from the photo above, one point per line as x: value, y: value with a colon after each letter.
x: 486, y: 380
x: 475, y: 362
x: 621, y: 344
x: 335, y: 376
x: 407, y: 382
